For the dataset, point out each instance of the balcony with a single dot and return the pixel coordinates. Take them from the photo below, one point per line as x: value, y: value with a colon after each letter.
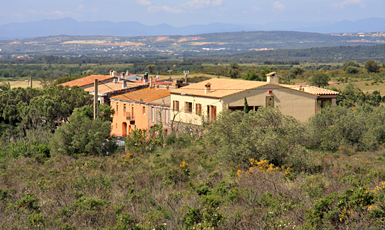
x: 129, y: 116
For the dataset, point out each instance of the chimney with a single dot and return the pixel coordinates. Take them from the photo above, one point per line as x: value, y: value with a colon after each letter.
x: 207, y: 88
x: 145, y: 77
x: 111, y: 72
x: 114, y: 80
x: 124, y: 85
x: 127, y: 73
x: 272, y: 78
x: 150, y: 82
x: 119, y: 78
x: 122, y: 75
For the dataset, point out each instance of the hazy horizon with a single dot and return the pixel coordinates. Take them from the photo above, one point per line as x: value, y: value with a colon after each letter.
x: 193, y: 12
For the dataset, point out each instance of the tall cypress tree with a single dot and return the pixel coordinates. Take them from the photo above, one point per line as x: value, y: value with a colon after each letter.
x: 246, y: 108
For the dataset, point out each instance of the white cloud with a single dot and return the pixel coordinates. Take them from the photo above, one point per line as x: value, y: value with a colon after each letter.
x: 144, y: 2
x: 194, y: 4
x: 80, y: 7
x: 154, y: 9
x: 217, y: 2
x: 347, y: 2
x: 279, y: 6
x: 53, y: 12
x: 187, y: 6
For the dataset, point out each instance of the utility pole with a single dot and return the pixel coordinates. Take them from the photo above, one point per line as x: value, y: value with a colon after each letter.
x: 95, y: 98
x: 30, y: 81
x: 186, y: 72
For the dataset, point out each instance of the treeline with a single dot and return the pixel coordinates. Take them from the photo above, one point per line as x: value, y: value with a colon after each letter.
x: 311, y: 55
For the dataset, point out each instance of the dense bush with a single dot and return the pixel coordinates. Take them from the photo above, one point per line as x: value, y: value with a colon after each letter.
x: 263, y: 135
x: 360, y: 127
x: 82, y: 135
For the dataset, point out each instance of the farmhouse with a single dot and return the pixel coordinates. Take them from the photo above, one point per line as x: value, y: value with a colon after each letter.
x: 203, y: 101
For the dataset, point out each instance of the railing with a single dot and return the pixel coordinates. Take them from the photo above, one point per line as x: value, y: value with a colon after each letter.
x: 129, y: 116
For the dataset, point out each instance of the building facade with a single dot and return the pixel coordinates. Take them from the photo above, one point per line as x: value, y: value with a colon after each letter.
x: 202, y: 102
x: 140, y: 109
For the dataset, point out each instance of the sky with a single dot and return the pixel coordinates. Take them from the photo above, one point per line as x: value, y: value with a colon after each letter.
x: 191, y: 12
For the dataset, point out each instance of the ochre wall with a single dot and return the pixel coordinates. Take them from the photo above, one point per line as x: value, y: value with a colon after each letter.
x: 193, y: 118
x: 300, y: 105
x: 141, y: 120
x: 290, y: 102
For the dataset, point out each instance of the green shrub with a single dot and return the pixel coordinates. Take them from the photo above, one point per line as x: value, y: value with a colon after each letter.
x: 192, y: 216
x: 361, y: 128
x: 35, y: 220
x: 81, y: 136
x: 263, y: 135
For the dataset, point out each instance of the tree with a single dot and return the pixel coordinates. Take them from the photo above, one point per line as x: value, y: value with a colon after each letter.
x: 251, y: 75
x: 234, y: 70
x: 5, y: 87
x: 266, y: 135
x: 246, y: 108
x: 296, y: 70
x: 352, y: 70
x: 372, y: 66
x: 319, y: 79
x: 350, y: 63
x: 151, y: 68
x: 81, y: 136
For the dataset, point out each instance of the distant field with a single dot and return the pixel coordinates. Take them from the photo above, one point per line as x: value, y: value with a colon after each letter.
x: 23, y: 84
x: 365, y: 86
x: 173, y: 77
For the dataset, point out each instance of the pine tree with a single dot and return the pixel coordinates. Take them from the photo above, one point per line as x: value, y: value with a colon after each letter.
x: 246, y: 108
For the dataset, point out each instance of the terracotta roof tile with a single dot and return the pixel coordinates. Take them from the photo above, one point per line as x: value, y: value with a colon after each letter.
x: 143, y: 95
x: 86, y: 80
x: 319, y: 91
x: 312, y: 90
x: 225, y: 87
x: 109, y: 87
x: 219, y: 87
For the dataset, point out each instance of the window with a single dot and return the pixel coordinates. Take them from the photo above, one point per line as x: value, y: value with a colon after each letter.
x: 198, y: 109
x: 152, y: 114
x: 124, y: 108
x: 270, y: 101
x: 212, y: 113
x: 167, y: 119
x: 144, y: 110
x: 175, y: 105
x: 117, y: 107
x: 188, y: 107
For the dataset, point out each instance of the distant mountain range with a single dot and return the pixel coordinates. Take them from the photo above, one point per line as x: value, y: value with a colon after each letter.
x: 69, y: 26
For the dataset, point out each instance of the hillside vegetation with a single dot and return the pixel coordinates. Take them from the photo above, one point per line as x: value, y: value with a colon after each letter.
x: 245, y: 171
x: 173, y: 47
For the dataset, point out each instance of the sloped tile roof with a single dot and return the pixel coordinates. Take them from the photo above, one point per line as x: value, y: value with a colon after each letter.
x: 108, y: 87
x: 86, y: 80
x: 143, y: 95
x: 225, y: 87
x: 312, y: 90
x: 219, y: 87
x: 319, y: 91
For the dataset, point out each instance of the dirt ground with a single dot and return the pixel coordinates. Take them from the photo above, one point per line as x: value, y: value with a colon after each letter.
x: 23, y: 84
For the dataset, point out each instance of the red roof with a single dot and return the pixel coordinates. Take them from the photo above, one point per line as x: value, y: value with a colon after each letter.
x: 86, y: 80
x: 143, y: 95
